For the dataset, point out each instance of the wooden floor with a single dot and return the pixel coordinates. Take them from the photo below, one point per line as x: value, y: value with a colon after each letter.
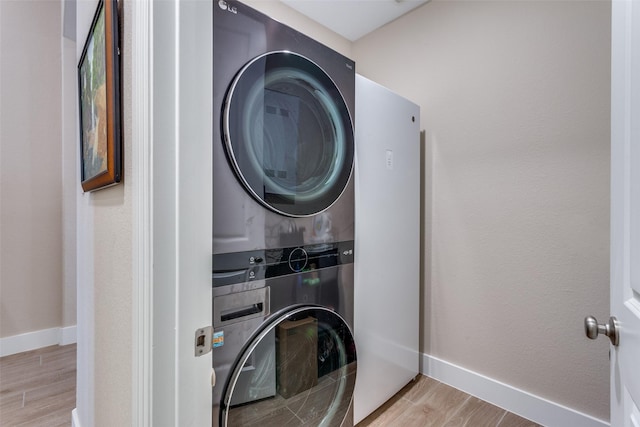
x: 426, y: 402
x: 37, y: 389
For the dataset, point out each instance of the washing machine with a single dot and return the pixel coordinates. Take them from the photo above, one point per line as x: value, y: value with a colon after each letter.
x: 283, y: 225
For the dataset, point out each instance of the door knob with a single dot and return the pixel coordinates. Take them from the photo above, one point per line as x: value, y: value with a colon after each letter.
x: 592, y: 329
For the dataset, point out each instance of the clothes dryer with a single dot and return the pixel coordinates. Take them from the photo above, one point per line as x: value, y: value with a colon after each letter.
x: 283, y: 225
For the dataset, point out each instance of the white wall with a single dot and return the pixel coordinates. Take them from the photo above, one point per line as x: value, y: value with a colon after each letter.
x: 291, y: 17
x: 515, y: 100
x: 37, y: 292
x: 105, y: 278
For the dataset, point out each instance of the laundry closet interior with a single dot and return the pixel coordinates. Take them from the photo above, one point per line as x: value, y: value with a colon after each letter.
x: 312, y: 214
x: 302, y: 149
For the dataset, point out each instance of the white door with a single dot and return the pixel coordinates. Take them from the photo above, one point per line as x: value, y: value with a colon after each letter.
x: 625, y: 212
x: 387, y: 260
x: 181, y: 81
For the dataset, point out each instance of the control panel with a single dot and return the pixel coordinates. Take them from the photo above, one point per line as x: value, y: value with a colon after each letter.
x: 238, y: 267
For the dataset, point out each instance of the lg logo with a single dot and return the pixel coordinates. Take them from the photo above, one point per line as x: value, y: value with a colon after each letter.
x: 225, y: 6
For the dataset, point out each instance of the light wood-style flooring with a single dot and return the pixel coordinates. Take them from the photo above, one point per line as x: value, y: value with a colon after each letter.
x: 426, y: 402
x: 37, y: 389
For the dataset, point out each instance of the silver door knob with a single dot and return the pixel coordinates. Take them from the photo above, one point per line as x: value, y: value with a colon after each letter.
x: 592, y: 329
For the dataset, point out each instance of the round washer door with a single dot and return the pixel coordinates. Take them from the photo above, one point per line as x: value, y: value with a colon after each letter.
x: 300, y: 368
x: 288, y: 134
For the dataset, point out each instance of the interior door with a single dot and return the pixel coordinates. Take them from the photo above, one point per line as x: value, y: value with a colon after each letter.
x: 181, y: 377
x: 625, y: 212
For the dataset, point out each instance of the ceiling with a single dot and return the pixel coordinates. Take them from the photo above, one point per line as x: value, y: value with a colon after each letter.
x: 353, y: 19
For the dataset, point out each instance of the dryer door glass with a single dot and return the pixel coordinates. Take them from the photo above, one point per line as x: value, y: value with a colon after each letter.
x: 309, y: 354
x: 288, y: 134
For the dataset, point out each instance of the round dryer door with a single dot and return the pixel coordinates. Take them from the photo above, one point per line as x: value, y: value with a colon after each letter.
x: 300, y: 369
x: 288, y: 134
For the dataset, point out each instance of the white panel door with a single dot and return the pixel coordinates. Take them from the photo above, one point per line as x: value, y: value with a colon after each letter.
x: 182, y: 210
x: 387, y: 255
x: 625, y: 212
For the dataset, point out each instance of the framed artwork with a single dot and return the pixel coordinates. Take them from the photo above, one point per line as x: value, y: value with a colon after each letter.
x: 99, y: 98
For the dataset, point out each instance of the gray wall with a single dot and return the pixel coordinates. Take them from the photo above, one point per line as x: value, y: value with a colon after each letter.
x: 37, y: 269
x: 514, y: 97
x: 515, y: 102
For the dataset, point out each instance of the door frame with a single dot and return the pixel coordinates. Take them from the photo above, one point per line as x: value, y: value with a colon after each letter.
x: 142, y: 236
x: 625, y: 61
x: 172, y: 204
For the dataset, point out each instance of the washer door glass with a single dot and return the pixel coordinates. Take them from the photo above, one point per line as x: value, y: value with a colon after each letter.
x: 288, y: 134
x: 300, y: 369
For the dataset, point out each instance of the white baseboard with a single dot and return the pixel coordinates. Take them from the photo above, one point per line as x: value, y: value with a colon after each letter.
x: 68, y: 335
x: 75, y: 421
x: 37, y: 339
x: 520, y: 402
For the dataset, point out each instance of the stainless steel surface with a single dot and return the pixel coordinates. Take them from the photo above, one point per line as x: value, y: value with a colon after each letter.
x: 592, y: 329
x: 240, y: 222
x: 245, y: 299
x: 330, y: 287
x: 240, y: 306
x: 231, y: 335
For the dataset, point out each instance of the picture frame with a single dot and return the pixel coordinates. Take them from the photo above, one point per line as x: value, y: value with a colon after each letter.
x: 99, y: 101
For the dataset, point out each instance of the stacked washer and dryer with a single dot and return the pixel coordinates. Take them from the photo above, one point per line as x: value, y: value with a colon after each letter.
x: 283, y: 225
